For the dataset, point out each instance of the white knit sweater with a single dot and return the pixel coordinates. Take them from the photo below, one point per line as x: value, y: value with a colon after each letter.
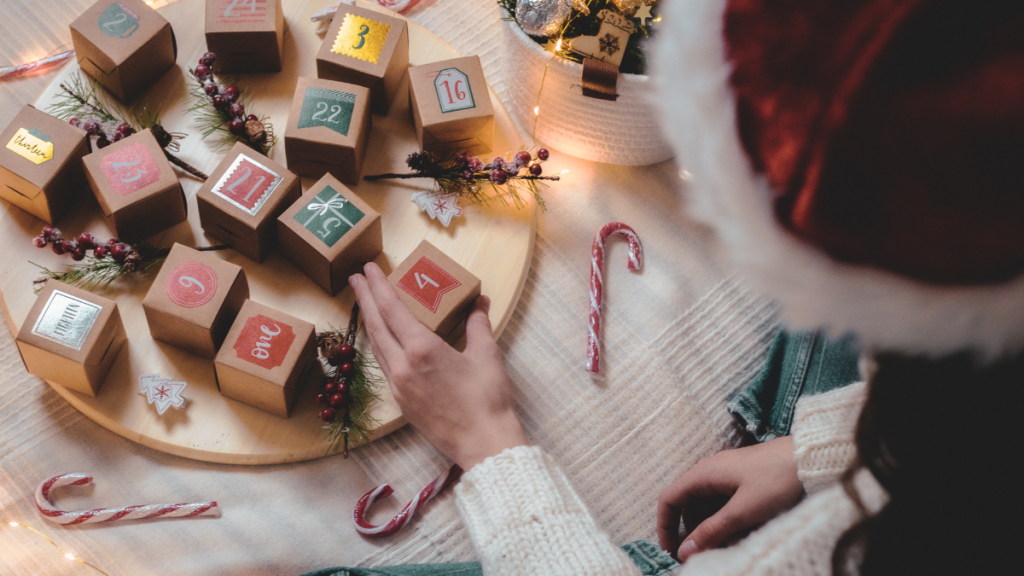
x: 525, y: 518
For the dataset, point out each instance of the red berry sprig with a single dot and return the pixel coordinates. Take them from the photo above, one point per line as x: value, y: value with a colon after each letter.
x: 221, y: 106
x: 118, y: 251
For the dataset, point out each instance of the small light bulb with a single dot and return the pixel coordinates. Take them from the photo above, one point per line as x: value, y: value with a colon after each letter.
x: 558, y: 45
x: 566, y: 171
x: 69, y: 556
x: 13, y: 524
x: 536, y: 110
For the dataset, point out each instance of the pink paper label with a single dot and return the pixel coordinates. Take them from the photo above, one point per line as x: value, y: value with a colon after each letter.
x: 427, y: 283
x: 247, y: 184
x: 130, y: 169
x: 191, y: 284
x: 241, y: 11
x: 264, y: 341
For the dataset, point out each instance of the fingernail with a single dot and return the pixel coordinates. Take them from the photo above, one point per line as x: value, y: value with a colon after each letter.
x: 353, y: 279
x: 689, y: 548
x: 485, y: 303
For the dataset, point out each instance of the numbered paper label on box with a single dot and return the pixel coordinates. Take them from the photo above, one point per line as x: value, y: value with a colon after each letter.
x: 241, y: 11
x: 191, y: 284
x: 118, y: 21
x: 66, y: 320
x: 330, y: 108
x: 130, y: 169
x: 247, y: 184
x: 329, y: 216
x: 32, y: 145
x: 361, y: 38
x: 453, y: 90
x: 427, y: 283
x: 264, y: 341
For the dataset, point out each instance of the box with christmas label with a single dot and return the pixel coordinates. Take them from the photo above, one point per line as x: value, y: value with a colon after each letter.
x: 240, y: 202
x: 71, y: 337
x: 41, y: 163
x: 328, y: 129
x: 437, y: 290
x: 451, y: 106
x: 136, y: 187
x: 194, y: 299
x: 246, y: 35
x: 366, y: 48
x: 330, y: 233
x: 263, y: 358
x: 125, y: 45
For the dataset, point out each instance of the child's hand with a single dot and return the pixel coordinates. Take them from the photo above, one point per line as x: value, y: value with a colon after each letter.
x: 756, y: 484
x: 462, y: 402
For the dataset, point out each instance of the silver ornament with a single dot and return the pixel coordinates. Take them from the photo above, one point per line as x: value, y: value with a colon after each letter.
x: 542, y: 17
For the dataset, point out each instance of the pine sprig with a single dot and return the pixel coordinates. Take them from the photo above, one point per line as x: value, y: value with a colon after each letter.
x: 204, y: 91
x: 77, y: 99
x: 98, y: 273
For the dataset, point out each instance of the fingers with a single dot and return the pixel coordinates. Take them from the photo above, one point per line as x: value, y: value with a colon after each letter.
x: 385, y: 346
x: 479, y: 336
x: 399, y: 320
x: 731, y: 520
x: 707, y: 479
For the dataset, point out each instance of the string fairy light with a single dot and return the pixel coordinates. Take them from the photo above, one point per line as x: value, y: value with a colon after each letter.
x: 67, y: 554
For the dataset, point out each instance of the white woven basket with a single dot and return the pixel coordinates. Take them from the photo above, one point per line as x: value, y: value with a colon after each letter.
x: 625, y: 131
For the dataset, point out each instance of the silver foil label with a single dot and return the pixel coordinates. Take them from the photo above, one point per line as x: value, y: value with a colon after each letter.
x: 66, y: 320
x: 247, y: 184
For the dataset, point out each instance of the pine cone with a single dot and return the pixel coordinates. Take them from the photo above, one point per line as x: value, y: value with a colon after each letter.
x: 424, y: 162
x: 132, y: 260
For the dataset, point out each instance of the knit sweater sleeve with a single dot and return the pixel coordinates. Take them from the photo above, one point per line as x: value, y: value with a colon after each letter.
x: 823, y: 434
x: 525, y: 518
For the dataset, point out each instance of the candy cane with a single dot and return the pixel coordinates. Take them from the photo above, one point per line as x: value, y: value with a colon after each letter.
x: 23, y: 69
x: 111, y: 514
x: 636, y: 261
x: 450, y: 476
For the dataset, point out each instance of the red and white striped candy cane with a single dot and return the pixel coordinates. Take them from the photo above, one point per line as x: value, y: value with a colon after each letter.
x: 111, y: 514
x: 636, y: 261
x: 450, y: 476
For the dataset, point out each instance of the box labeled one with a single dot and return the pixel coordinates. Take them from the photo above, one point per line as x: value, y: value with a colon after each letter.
x: 437, y: 290
x: 194, y: 299
x: 71, y: 337
x: 366, y: 48
x: 41, y: 164
x: 451, y: 106
x: 330, y: 233
x: 263, y: 358
x: 328, y: 129
x: 240, y: 202
x: 124, y: 44
x: 136, y: 187
x: 246, y: 35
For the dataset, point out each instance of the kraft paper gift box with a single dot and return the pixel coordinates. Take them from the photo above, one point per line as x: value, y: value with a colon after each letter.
x: 437, y: 290
x: 263, y: 358
x: 451, y: 106
x: 328, y: 129
x: 194, y: 299
x: 41, y: 164
x: 246, y: 35
x: 240, y: 202
x: 71, y: 337
x: 330, y: 233
x: 366, y: 48
x: 125, y: 45
x: 136, y: 187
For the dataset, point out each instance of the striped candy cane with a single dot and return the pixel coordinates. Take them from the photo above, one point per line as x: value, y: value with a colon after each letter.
x: 636, y: 261
x: 111, y: 514
x: 450, y: 476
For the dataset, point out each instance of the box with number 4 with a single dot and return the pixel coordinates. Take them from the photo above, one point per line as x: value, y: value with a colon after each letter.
x: 330, y: 233
x: 194, y: 299
x: 437, y: 290
x: 328, y: 129
x: 135, y: 186
x: 240, y: 202
x: 451, y: 106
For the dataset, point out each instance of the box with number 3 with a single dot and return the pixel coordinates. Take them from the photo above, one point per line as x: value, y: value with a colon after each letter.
x: 328, y: 129
x: 451, y: 106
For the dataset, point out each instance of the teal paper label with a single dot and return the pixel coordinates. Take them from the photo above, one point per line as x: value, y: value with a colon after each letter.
x: 329, y: 216
x: 118, y: 21
x: 330, y: 108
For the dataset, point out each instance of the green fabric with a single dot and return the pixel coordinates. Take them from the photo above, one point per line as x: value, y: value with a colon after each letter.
x: 798, y: 364
x: 651, y: 560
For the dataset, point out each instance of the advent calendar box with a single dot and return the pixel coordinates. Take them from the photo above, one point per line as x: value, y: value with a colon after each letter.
x: 366, y: 48
x: 330, y: 233
x: 71, y: 337
x: 263, y: 358
x: 124, y: 44
x: 240, y: 202
x: 437, y: 290
x: 41, y: 163
x: 136, y: 187
x: 451, y: 106
x: 246, y: 35
x: 328, y: 129
x: 194, y: 299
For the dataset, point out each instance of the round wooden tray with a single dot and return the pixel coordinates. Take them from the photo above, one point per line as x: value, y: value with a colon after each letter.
x: 495, y: 243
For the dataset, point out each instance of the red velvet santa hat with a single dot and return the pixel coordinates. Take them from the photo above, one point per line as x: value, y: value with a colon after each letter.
x: 863, y: 161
